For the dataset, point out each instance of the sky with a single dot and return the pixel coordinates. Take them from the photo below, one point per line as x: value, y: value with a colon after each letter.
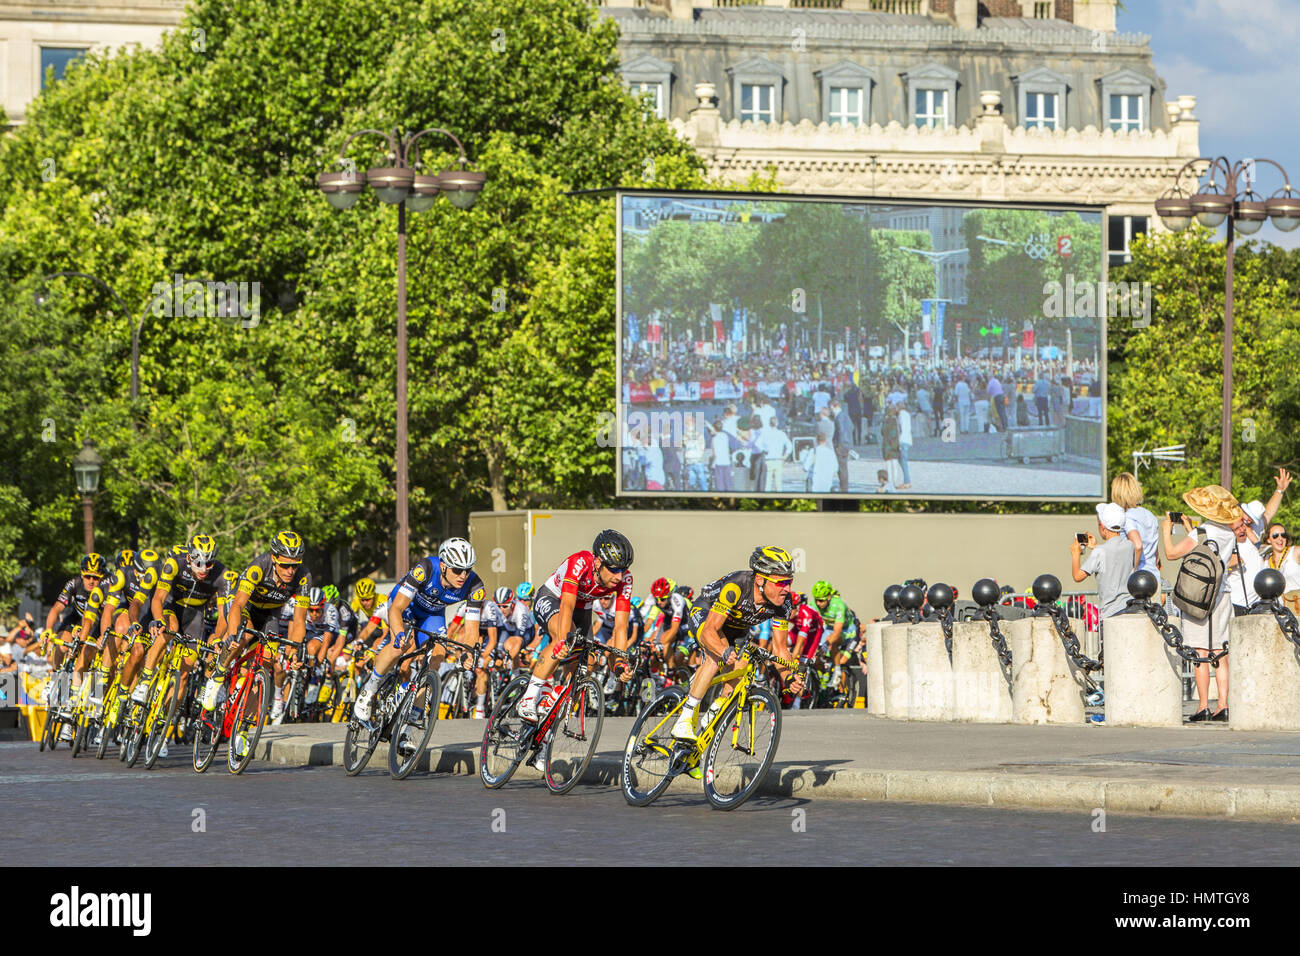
x: 1240, y: 59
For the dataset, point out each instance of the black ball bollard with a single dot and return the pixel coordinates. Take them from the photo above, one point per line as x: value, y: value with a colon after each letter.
x: 985, y: 592
x: 892, y: 594
x: 1047, y: 588
x: 1143, y: 585
x: 1269, y: 584
x: 940, y: 597
x: 912, y: 598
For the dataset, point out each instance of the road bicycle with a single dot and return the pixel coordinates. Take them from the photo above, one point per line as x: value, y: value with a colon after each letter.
x: 735, y: 748
x: 240, y: 717
x: 59, y: 700
x: 175, y: 705
x: 567, y: 732
x: 459, y: 697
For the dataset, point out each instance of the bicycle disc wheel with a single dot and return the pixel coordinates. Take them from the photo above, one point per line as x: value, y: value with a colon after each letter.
x: 648, y: 754
x: 506, y: 738
x: 742, y: 750
x: 413, y: 725
x: 574, y: 735
x: 249, y: 720
x: 162, y: 724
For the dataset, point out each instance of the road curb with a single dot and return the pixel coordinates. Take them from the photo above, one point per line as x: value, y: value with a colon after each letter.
x: 1001, y: 789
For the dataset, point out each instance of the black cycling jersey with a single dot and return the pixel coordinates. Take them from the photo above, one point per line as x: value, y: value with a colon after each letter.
x: 183, y: 588
x: 733, y: 596
x: 265, y: 590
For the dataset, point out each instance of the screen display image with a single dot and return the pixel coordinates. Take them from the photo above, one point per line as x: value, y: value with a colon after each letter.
x: 795, y: 347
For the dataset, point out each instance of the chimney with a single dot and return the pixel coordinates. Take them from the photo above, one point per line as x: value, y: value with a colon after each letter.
x: 676, y: 9
x: 966, y: 14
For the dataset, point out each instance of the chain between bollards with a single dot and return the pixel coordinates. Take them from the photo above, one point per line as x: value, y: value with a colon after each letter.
x: 1282, y: 614
x: 1172, y: 635
x: 990, y: 614
x: 1072, y: 649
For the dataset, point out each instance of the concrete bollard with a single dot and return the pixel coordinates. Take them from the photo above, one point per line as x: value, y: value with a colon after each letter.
x: 893, y: 659
x: 875, y: 668
x: 981, y: 685
x: 1265, y: 676
x: 1045, y: 686
x: 1144, y: 683
x: 929, y: 674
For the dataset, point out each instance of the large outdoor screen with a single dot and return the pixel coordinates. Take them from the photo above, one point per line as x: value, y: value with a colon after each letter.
x: 791, y: 347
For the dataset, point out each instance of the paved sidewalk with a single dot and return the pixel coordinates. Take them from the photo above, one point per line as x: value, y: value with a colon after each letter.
x: 1207, y: 771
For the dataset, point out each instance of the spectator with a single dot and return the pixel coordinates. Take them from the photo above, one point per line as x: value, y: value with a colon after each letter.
x: 763, y: 410
x: 869, y: 410
x: 853, y: 402
x: 1022, y: 411
x: 1282, y: 556
x: 995, y: 398
x: 1258, y: 515
x: 669, y: 446
x: 1140, y: 525
x: 886, y: 486
x: 652, y: 460
x: 1042, y: 393
x: 842, y: 441
x: 24, y: 633
x: 1061, y: 399
x: 825, y: 424
x: 962, y: 392
x: 981, y: 397
x: 939, y: 405
x: 776, y: 449
x: 1222, y: 514
x: 1245, y: 563
x: 1111, y: 563
x: 730, y: 420
x: 889, y: 440
x: 904, y: 445
x: 694, y: 455
x: 924, y: 410
x: 819, y: 463
x: 721, y: 447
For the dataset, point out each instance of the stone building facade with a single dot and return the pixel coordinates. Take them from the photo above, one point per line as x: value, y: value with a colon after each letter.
x: 922, y: 99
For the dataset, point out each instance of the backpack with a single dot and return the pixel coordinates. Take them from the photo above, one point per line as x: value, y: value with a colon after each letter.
x: 1199, y: 580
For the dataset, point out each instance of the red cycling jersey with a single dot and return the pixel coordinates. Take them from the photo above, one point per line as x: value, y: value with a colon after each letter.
x: 577, y: 575
x: 807, y: 625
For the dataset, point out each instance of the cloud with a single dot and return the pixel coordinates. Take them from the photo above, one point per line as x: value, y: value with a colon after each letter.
x: 1263, y: 29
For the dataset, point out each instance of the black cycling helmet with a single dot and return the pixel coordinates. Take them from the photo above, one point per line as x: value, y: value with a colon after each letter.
x: 145, y: 558
x: 93, y: 564
x: 772, y: 560
x: 613, y: 549
x: 125, y: 558
x: 287, y: 546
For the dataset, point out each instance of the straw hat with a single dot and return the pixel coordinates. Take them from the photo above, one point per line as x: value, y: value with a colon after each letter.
x: 1214, y: 503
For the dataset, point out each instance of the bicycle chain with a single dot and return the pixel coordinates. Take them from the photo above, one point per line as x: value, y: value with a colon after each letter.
x: 990, y: 614
x: 1172, y: 636
x: 1061, y: 620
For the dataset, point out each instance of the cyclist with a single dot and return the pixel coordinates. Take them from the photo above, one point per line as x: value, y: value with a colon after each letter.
x: 672, y: 606
x: 69, y: 608
x: 521, y: 627
x: 186, y: 589
x: 273, y: 579
x: 347, y: 623
x: 115, y: 618
x: 321, y: 629
x: 806, y: 627
x: 366, y: 604
x: 723, y: 614
x: 840, y: 626
x: 564, y: 604
x: 536, y: 635
x: 421, y: 598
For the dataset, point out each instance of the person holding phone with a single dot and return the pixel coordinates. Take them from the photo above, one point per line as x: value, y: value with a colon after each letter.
x: 1111, y: 562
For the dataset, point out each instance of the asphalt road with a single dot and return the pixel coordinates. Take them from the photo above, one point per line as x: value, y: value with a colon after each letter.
x: 317, y: 815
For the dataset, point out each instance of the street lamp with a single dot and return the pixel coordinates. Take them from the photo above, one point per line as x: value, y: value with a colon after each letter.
x: 85, y: 468
x: 1245, y: 212
x: 402, y: 185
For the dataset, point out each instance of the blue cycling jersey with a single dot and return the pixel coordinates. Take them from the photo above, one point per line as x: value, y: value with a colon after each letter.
x: 423, y: 586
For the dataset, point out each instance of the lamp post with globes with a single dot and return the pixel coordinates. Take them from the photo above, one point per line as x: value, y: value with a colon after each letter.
x: 1245, y: 212
x: 85, y: 467
x: 403, y: 186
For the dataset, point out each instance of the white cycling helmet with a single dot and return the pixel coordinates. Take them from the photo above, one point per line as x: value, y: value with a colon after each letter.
x: 503, y: 595
x: 457, y: 554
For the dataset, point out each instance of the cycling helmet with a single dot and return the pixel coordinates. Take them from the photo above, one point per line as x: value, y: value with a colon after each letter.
x: 503, y: 595
x: 331, y: 592
x: 180, y: 551
x: 822, y: 590
x: 636, y: 601
x: 525, y: 591
x: 457, y: 554
x: 203, y: 551
x: 365, y: 589
x: 686, y: 591
x: 144, y: 559
x: 287, y: 548
x: 613, y: 549
x: 798, y: 597
x: 124, y: 559
x: 315, y: 598
x: 661, y: 588
x: 93, y: 563
x: 231, y: 575
x: 772, y: 560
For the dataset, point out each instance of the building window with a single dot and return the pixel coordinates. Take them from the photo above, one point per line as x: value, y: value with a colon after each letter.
x: 655, y: 91
x: 57, y: 58
x: 912, y: 7
x: 1125, y: 112
x: 1121, y: 231
x: 1041, y: 111
x: 845, y: 106
x: 931, y: 109
x: 1042, y: 9
x: 756, y: 103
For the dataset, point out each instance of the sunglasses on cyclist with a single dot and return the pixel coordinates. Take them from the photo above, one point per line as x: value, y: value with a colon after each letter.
x: 780, y: 582
x: 286, y: 564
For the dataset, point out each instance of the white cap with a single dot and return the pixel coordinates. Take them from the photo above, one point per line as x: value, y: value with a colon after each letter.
x: 1111, y: 516
x: 1255, y: 511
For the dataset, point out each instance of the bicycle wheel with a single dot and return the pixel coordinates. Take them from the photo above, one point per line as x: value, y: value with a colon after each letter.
x: 574, y: 735
x: 648, y: 754
x: 359, y: 743
x: 413, y: 725
x: 207, y: 736
x: 137, y: 713
x: 78, y: 737
x: 162, y: 723
x: 742, y: 750
x: 249, y: 720
x: 451, y: 693
x: 105, y: 728
x: 506, y: 738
